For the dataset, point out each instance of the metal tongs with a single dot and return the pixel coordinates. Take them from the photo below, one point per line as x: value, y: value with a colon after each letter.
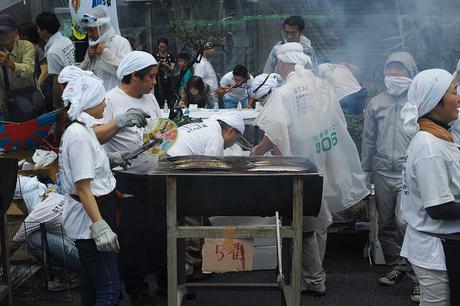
x: 145, y: 147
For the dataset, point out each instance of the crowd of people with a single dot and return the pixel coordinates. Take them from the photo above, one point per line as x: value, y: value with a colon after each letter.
x: 409, y: 151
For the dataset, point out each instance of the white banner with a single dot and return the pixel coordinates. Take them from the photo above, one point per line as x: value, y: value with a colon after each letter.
x: 80, y: 7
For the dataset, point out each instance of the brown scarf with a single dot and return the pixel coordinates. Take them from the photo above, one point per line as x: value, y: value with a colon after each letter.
x: 434, y: 129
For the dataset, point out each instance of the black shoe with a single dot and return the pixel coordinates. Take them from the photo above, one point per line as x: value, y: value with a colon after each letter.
x: 392, y: 277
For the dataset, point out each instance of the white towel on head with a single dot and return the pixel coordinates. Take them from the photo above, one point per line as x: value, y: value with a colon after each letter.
x: 263, y: 83
x: 82, y: 93
x: 426, y: 90
x: 292, y: 53
x: 70, y: 73
x: 233, y: 119
x: 135, y: 61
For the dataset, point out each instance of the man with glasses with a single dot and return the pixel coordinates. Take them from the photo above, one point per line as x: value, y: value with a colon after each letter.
x: 106, y: 48
x: 293, y: 27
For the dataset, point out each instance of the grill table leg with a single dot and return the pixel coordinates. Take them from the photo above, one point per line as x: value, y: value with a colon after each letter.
x: 171, y: 219
x: 296, y: 267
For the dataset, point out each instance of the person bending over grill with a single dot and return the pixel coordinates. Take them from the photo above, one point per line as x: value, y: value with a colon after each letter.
x: 210, y: 138
x: 303, y: 118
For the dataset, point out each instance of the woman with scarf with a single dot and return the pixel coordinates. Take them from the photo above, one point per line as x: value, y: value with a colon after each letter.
x: 88, y: 183
x: 430, y: 201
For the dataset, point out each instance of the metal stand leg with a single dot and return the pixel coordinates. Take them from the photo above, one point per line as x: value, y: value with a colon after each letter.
x: 171, y: 219
x: 292, y: 294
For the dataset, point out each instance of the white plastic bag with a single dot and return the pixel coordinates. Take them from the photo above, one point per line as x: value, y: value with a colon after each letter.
x: 303, y: 118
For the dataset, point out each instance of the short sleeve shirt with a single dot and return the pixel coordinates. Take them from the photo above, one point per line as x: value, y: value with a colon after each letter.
x: 59, y: 53
x: 239, y: 92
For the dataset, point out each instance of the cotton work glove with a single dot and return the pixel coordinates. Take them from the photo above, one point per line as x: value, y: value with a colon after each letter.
x: 118, y: 159
x: 106, y: 240
x: 132, y: 117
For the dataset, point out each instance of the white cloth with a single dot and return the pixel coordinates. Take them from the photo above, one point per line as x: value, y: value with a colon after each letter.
x: 397, y: 85
x: 204, y: 138
x: 434, y: 287
x: 264, y: 85
x: 82, y: 93
x: 70, y: 73
x: 204, y: 70
x: 455, y: 130
x: 292, y: 53
x: 43, y: 158
x: 240, y: 92
x: 106, y: 64
x: 341, y: 78
x: 81, y: 157
x: 46, y: 211
x: 304, y: 118
x: 135, y: 61
x: 431, y: 177
x: 425, y: 92
x: 233, y: 119
x: 97, y: 16
x: 30, y: 190
x: 130, y: 138
x: 59, y: 51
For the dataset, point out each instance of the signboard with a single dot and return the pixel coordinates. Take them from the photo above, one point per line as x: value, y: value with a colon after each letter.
x: 227, y: 255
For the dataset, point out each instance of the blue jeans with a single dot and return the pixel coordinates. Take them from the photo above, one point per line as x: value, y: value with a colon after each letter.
x: 62, y: 251
x: 100, y: 278
x: 232, y: 103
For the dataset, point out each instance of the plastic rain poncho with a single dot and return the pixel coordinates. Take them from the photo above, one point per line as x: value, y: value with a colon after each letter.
x: 303, y: 118
x: 105, y: 65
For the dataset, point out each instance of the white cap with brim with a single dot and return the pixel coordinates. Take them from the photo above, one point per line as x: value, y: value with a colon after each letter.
x: 135, y: 61
x: 233, y: 119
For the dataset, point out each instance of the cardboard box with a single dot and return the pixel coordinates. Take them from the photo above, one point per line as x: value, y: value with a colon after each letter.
x: 227, y: 255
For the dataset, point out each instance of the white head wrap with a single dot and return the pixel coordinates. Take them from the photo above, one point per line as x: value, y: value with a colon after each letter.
x: 263, y: 83
x: 135, y: 61
x: 70, y: 73
x: 292, y: 53
x: 96, y: 17
x: 233, y: 119
x: 425, y: 92
x: 30, y: 190
x: 83, y: 93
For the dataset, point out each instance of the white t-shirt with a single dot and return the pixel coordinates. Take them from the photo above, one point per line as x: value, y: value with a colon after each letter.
x: 59, y: 53
x: 341, y: 78
x: 130, y: 138
x: 203, y: 138
x: 204, y: 70
x: 81, y: 157
x: 239, y: 92
x: 431, y: 177
x: 47, y: 211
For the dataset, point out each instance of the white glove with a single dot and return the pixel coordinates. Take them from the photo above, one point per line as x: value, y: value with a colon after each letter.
x: 132, y: 117
x: 118, y: 159
x: 106, y: 240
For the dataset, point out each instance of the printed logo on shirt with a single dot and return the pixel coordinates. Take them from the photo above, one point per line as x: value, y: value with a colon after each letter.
x: 325, y: 140
x: 189, y: 128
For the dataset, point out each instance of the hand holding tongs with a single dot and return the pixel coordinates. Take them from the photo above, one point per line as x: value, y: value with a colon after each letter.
x: 145, y: 147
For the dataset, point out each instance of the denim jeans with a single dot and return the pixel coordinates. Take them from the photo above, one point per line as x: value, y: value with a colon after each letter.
x: 62, y: 252
x: 231, y: 103
x: 100, y: 278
